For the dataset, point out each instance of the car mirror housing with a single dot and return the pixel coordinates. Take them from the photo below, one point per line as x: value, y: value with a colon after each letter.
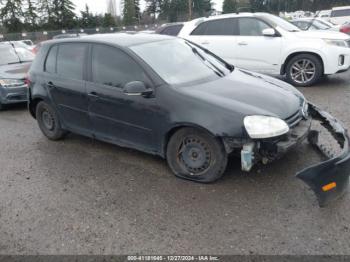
x: 269, y: 32
x: 137, y: 88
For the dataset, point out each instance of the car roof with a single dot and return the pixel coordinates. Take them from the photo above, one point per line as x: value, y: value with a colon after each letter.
x: 231, y: 15
x: 341, y: 7
x: 120, y: 39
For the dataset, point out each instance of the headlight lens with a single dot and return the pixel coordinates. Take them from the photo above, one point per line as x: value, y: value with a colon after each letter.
x: 340, y: 43
x: 265, y: 126
x: 8, y: 83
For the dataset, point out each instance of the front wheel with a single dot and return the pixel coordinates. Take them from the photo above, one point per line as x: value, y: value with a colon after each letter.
x: 196, y: 155
x: 304, y: 70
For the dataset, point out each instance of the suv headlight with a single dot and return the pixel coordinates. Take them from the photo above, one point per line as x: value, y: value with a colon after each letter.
x: 340, y: 43
x: 8, y: 83
x: 265, y: 126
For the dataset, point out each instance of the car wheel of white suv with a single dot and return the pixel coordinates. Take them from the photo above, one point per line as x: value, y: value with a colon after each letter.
x: 304, y: 70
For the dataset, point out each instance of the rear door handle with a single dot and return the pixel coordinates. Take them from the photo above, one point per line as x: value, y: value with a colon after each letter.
x: 50, y: 85
x: 205, y: 43
x: 242, y: 43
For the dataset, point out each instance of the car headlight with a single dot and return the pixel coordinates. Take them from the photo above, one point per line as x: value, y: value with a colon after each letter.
x: 265, y: 126
x: 8, y: 83
x: 340, y: 43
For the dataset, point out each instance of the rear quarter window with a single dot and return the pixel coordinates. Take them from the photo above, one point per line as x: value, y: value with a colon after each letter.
x: 50, y: 63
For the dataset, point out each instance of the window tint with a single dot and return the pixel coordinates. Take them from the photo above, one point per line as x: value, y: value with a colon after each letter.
x: 217, y: 27
x: 251, y: 26
x: 70, y: 60
x: 172, y: 30
x: 113, y: 67
x: 200, y: 30
x: 339, y: 13
x: 50, y: 65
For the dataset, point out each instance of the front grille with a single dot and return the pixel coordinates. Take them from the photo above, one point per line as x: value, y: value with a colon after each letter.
x: 294, y: 119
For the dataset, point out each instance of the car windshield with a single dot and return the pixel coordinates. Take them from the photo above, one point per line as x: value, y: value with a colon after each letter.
x: 9, y: 55
x: 276, y: 21
x: 178, y: 61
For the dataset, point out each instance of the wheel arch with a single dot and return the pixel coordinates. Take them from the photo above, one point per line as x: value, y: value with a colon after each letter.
x: 32, y: 105
x: 290, y: 56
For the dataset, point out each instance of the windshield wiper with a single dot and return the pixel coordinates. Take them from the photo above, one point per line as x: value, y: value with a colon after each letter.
x: 20, y: 62
x: 211, y: 65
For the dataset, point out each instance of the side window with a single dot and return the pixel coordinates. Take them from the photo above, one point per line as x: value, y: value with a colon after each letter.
x: 200, y: 30
x: 251, y: 26
x: 70, y: 60
x: 50, y: 64
x: 113, y: 67
x: 226, y: 26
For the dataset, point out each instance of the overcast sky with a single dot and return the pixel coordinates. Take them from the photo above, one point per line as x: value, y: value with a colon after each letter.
x: 100, y: 6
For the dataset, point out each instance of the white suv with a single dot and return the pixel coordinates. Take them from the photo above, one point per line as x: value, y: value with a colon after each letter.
x: 269, y: 44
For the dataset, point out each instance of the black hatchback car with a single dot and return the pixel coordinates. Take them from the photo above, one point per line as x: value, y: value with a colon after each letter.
x: 170, y: 97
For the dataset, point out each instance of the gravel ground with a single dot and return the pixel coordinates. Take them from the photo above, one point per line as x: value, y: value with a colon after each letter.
x: 80, y: 196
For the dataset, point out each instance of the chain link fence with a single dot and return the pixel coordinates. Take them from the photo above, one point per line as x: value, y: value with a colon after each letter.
x: 40, y: 36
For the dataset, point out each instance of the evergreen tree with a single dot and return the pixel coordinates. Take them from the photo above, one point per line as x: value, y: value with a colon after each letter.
x: 11, y: 15
x: 63, y: 14
x: 129, y: 12
x: 44, y: 11
x: 229, y: 6
x: 30, y: 16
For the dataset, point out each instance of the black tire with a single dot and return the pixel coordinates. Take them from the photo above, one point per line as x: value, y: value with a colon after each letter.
x: 48, y: 121
x: 315, y: 65
x: 1, y: 107
x: 196, y: 155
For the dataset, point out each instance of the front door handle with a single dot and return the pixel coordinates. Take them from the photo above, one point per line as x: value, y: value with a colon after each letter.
x: 93, y: 95
x: 242, y: 43
x: 205, y: 43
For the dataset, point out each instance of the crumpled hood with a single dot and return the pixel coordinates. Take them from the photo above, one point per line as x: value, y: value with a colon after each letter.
x: 248, y: 93
x: 322, y: 34
x: 14, y: 71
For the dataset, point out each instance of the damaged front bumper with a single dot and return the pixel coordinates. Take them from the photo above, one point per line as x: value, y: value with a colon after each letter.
x: 329, y: 179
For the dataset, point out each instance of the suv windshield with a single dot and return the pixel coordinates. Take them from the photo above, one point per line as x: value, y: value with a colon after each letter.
x: 178, y: 61
x: 9, y: 55
x: 276, y: 21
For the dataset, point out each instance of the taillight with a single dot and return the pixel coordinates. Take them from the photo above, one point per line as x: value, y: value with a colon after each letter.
x: 345, y: 29
x: 27, y: 81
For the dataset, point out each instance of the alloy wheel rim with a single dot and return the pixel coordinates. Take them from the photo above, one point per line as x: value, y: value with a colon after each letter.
x: 303, y: 71
x: 194, y: 155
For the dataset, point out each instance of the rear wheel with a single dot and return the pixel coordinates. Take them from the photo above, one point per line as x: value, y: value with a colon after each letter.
x: 196, y: 155
x: 49, y: 122
x: 304, y: 70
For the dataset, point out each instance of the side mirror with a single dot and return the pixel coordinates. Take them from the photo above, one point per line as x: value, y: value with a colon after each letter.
x: 269, y: 32
x: 137, y: 88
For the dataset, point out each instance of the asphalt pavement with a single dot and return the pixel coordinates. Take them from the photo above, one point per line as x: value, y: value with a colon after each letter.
x: 80, y: 196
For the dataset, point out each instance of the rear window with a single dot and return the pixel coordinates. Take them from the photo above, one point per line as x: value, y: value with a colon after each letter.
x: 70, y: 60
x: 10, y: 55
x: 339, y: 13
